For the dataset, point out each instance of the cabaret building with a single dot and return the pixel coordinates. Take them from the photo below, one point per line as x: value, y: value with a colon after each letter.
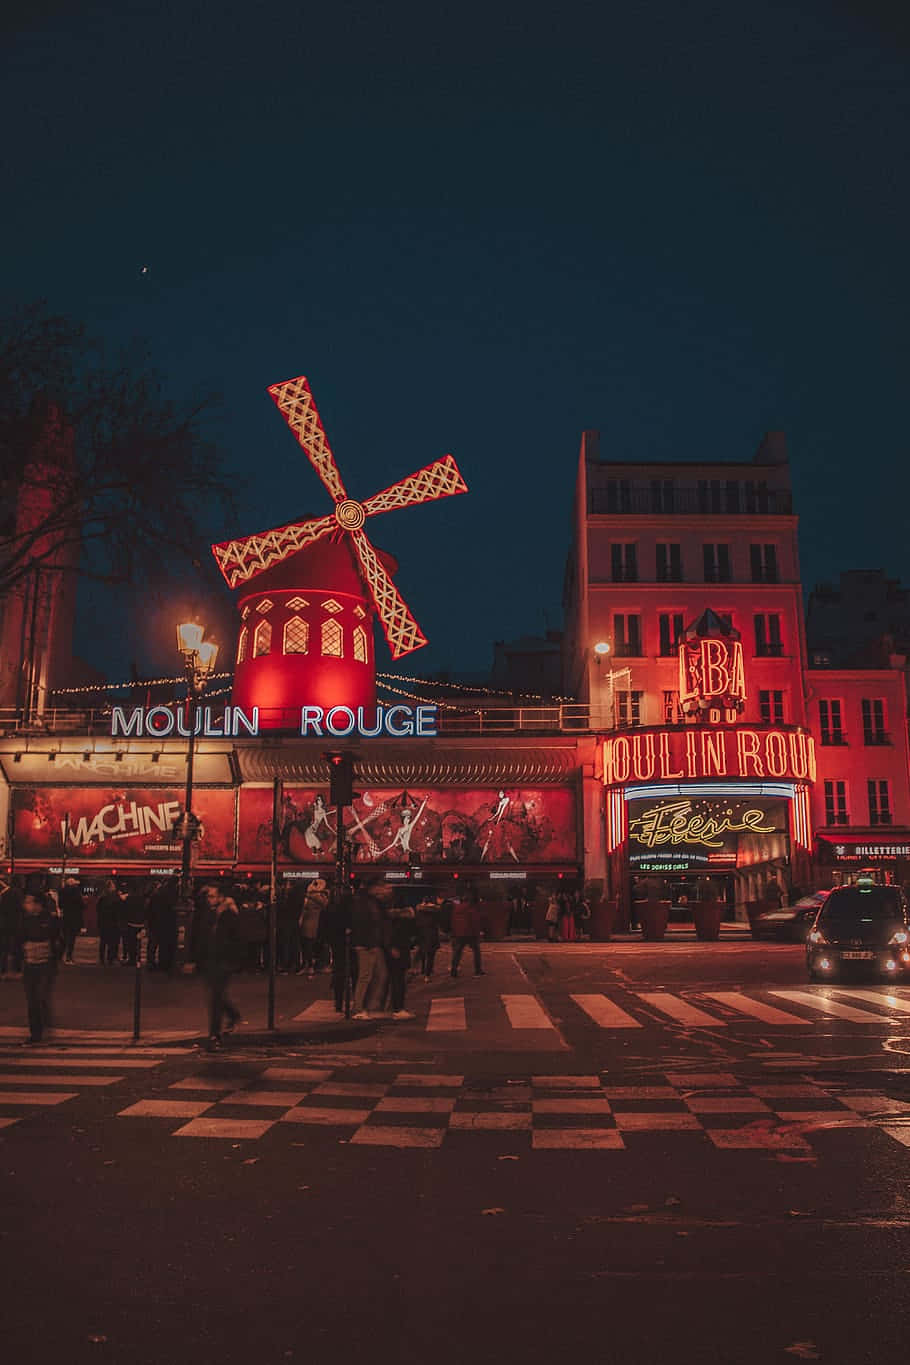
x: 693, y: 747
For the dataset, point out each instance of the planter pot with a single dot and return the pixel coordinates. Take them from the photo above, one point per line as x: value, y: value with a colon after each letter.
x: 655, y: 916
x: 603, y: 921
x: 708, y: 915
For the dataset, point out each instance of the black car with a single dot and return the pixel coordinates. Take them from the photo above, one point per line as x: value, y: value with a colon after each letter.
x: 860, y: 927
x: 790, y: 922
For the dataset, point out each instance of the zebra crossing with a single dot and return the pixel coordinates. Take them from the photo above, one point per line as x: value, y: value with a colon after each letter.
x: 703, y: 1009
x: 36, y: 1082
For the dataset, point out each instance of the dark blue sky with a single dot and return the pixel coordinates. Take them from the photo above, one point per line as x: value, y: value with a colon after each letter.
x: 480, y: 229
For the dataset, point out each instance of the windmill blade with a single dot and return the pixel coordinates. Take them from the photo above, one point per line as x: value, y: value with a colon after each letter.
x: 441, y: 479
x: 298, y: 408
x: 239, y: 560
x: 399, y: 627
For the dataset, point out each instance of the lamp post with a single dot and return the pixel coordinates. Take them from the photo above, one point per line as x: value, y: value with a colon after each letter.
x: 601, y: 653
x: 198, y: 661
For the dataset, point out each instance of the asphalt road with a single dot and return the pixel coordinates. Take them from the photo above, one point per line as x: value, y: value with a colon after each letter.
x: 680, y: 1152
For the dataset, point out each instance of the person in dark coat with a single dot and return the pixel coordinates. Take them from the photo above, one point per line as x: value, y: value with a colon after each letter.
x: 133, y: 913
x: 40, y: 937
x: 72, y: 913
x: 399, y: 932
x: 466, y: 932
x: 165, y: 899
x: 337, y: 919
x: 10, y: 917
x: 429, y: 913
x: 220, y: 948
x: 366, y: 937
x: 108, y: 912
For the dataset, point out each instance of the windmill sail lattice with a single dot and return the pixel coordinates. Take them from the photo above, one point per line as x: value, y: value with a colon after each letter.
x: 240, y: 560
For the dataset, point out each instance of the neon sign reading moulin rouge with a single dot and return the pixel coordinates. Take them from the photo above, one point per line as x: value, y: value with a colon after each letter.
x: 694, y: 753
x: 676, y: 823
x: 157, y: 722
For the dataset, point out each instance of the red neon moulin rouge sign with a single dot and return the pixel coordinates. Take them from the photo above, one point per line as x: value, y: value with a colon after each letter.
x: 696, y: 753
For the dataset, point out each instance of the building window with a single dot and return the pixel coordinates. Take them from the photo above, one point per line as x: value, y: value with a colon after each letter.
x: 619, y: 498
x: 669, y: 563
x: 709, y: 495
x: 836, y: 803
x: 262, y: 639
x: 265, y: 605
x: 829, y: 715
x: 671, y: 628
x: 628, y: 708
x: 763, y: 559
x: 879, y: 802
x: 624, y: 563
x: 627, y: 637
x: 662, y: 498
x: 771, y: 705
x: 243, y: 645
x: 717, y: 563
x: 332, y: 640
x: 756, y: 496
x: 296, y: 636
x: 331, y: 605
x: 874, y: 721
x: 768, y: 643
x: 360, y: 645
x: 297, y: 603
x: 672, y: 713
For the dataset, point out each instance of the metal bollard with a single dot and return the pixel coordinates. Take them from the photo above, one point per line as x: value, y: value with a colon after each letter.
x: 347, y: 973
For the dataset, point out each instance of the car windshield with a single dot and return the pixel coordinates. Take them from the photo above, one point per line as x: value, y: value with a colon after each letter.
x: 853, y: 902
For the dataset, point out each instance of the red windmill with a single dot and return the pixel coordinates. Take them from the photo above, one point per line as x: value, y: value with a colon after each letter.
x: 306, y: 633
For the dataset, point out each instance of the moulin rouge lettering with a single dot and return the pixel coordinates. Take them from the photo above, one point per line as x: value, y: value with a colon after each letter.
x: 120, y: 820
x: 677, y: 823
x: 694, y: 753
x: 157, y: 722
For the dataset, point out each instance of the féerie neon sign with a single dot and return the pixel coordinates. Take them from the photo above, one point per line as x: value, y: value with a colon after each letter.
x: 676, y: 823
x: 159, y: 722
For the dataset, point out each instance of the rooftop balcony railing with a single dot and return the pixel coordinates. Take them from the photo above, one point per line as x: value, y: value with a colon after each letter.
x: 640, y: 501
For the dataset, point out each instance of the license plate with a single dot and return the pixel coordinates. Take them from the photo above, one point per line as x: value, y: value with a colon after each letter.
x: 857, y: 956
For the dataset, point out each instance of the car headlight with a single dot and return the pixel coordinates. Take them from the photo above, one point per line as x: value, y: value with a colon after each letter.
x: 816, y: 936
x: 900, y: 937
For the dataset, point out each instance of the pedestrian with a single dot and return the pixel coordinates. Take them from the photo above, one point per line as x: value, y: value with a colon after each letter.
x: 582, y: 914
x: 220, y: 948
x: 72, y: 913
x: 10, y: 916
x: 253, y: 929
x: 466, y: 932
x: 154, y: 923
x: 40, y: 937
x: 334, y: 929
x: 108, y: 913
x: 133, y: 916
x: 567, y: 927
x: 286, y: 925
x: 399, y: 932
x: 366, y: 936
x: 314, y: 903
x: 429, y: 913
x: 167, y: 924
x: 773, y: 895
x: 551, y: 919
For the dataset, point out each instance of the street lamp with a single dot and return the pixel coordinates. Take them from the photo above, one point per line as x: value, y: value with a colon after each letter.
x: 198, y: 662
x: 602, y: 650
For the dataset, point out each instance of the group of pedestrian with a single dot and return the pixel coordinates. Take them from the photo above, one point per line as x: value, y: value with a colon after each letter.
x: 33, y: 938
x: 568, y: 917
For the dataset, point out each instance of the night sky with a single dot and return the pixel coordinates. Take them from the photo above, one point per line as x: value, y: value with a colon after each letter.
x: 481, y: 229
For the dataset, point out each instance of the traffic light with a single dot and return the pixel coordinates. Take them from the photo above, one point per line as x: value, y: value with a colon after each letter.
x: 341, y: 778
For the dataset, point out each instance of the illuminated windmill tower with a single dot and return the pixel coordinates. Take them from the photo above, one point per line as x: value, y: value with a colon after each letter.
x: 309, y: 590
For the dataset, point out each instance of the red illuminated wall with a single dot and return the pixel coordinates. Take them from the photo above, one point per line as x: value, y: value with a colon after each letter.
x: 117, y: 825
x: 442, y: 825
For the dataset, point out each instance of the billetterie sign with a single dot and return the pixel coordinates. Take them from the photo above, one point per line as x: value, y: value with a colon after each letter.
x: 232, y: 722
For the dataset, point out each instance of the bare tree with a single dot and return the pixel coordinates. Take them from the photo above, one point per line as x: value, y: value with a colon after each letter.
x: 114, y: 479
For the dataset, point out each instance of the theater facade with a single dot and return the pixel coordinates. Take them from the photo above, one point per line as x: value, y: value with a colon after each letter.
x: 701, y: 753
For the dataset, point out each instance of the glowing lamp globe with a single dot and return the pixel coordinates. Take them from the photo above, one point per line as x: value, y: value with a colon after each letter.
x: 308, y: 592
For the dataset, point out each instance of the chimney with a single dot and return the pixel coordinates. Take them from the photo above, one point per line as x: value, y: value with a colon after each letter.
x: 773, y: 449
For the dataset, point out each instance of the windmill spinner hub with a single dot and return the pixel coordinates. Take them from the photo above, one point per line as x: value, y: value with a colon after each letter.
x: 310, y: 588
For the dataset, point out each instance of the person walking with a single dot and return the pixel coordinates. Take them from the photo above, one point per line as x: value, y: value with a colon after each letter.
x: 366, y: 936
x: 108, y: 913
x: 167, y: 924
x: 551, y: 918
x: 337, y: 920
x: 132, y: 922
x: 429, y: 912
x: 10, y: 916
x: 466, y: 932
x: 567, y: 926
x: 314, y: 903
x: 40, y: 937
x: 72, y: 913
x: 219, y: 948
x: 399, y: 931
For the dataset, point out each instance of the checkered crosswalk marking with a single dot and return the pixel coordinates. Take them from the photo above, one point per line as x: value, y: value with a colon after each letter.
x: 680, y: 1010
x: 60, y: 1074
x: 526, y: 1011
x: 820, y: 1001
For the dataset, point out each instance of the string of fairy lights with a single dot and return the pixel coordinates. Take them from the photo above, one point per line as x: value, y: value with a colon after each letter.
x: 390, y: 682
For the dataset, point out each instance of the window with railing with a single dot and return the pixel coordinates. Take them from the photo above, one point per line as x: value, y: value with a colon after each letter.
x: 628, y: 708
x: 830, y: 723
x: 670, y: 628
x: 669, y: 563
x: 768, y: 642
x: 662, y: 495
x: 771, y: 706
x: 627, y: 636
x: 836, y: 803
x: 763, y: 560
x: 624, y: 562
x: 879, y: 801
x: 874, y: 730
x: 717, y: 563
